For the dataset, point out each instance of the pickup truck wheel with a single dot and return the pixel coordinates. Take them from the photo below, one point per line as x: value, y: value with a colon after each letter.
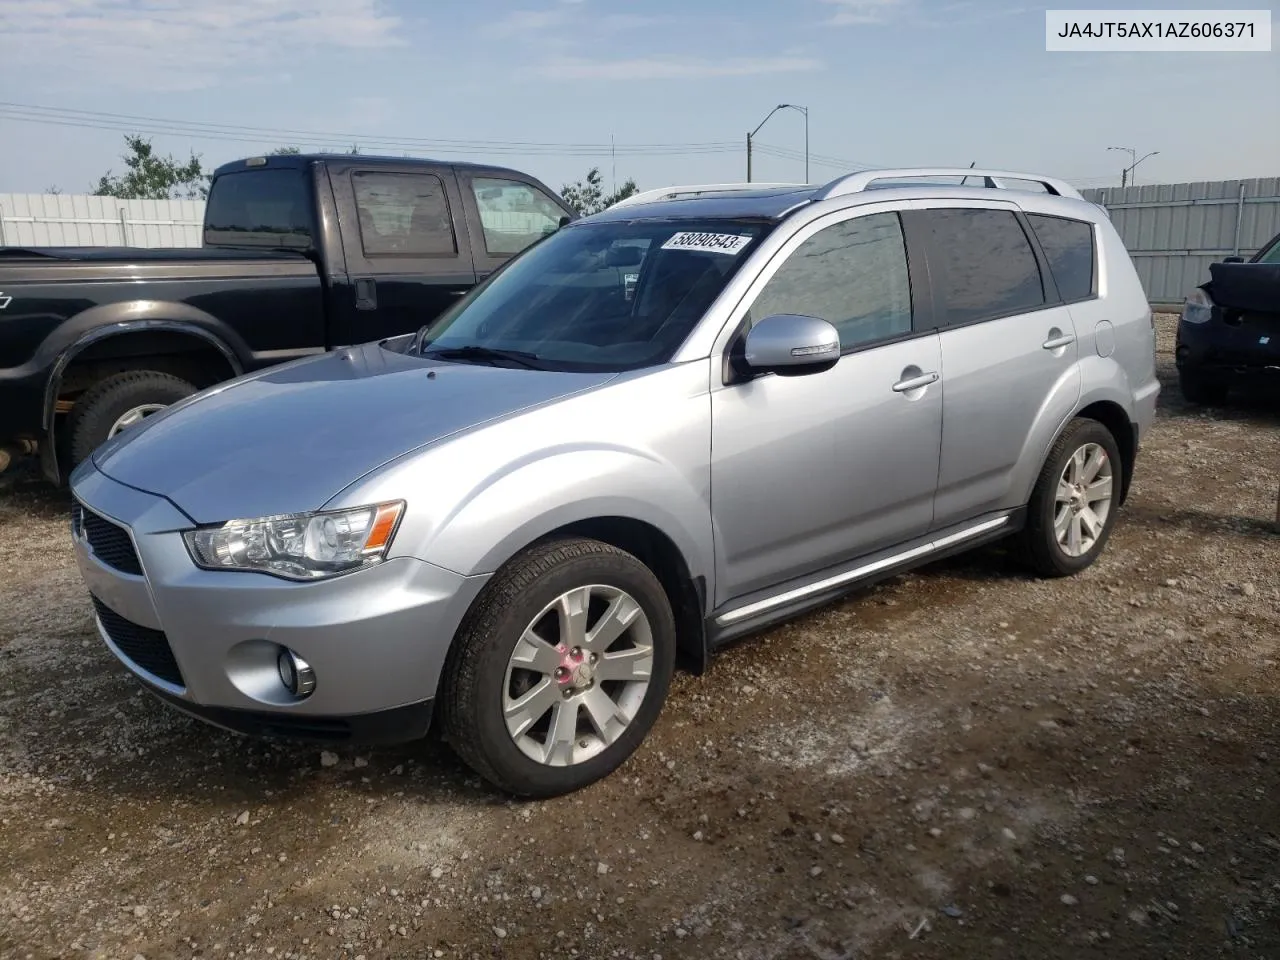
x: 1201, y: 389
x: 118, y: 403
x: 1073, y: 505
x: 560, y: 669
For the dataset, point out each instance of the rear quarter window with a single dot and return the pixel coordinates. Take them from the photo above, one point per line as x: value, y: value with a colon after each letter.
x: 1068, y: 245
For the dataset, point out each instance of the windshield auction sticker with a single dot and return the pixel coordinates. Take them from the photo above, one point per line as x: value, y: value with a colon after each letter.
x: 729, y: 243
x: 1163, y: 31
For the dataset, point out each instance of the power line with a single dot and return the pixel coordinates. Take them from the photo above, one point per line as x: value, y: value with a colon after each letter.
x: 59, y: 116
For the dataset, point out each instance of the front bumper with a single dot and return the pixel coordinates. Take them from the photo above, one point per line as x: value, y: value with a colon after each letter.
x: 1248, y: 346
x: 206, y: 641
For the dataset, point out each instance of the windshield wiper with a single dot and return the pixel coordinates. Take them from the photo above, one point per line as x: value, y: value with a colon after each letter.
x: 520, y: 358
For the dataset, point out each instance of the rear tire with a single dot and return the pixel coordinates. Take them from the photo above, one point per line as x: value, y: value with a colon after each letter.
x: 512, y: 680
x: 1200, y: 388
x: 1075, y: 500
x: 105, y: 407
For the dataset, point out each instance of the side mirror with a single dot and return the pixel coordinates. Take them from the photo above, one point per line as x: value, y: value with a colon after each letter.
x: 791, y: 345
x: 565, y: 221
x: 1233, y: 259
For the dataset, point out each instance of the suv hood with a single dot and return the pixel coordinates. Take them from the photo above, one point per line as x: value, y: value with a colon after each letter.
x: 290, y: 438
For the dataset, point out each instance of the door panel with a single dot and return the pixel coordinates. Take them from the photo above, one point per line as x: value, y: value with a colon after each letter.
x: 1009, y: 355
x: 814, y: 470
x: 809, y: 471
x: 1004, y: 389
x: 408, y: 254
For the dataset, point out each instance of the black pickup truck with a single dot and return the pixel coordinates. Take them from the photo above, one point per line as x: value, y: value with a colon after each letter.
x: 301, y: 254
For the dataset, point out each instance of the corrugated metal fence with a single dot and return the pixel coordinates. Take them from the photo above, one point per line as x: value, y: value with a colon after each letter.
x: 66, y: 220
x: 1173, y: 231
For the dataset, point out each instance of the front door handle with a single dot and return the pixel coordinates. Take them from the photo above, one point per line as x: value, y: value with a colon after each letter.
x: 915, y: 383
x: 1062, y: 340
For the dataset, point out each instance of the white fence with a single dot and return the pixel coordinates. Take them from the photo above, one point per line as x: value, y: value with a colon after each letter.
x: 65, y: 220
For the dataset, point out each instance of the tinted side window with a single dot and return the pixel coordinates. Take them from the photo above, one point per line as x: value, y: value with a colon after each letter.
x: 982, y: 263
x: 852, y: 274
x: 1068, y: 246
x: 259, y: 208
x: 403, y: 214
x: 513, y: 214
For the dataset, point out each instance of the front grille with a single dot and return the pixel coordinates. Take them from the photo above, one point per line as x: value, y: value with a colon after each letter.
x: 148, y: 649
x: 109, y: 541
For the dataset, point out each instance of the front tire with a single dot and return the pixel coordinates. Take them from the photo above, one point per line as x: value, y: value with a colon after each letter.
x: 560, y: 669
x: 117, y: 403
x: 1074, y: 503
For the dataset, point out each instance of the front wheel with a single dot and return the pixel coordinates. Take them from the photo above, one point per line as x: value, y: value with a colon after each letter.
x: 117, y: 403
x: 560, y: 669
x: 1073, y: 506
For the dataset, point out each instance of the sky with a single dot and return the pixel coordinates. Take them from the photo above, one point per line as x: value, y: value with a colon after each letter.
x: 546, y: 86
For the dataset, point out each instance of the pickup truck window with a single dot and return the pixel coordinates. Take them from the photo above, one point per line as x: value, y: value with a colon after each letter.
x: 403, y: 214
x: 260, y: 208
x: 513, y: 214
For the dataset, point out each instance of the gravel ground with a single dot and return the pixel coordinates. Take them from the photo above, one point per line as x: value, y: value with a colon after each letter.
x: 963, y: 762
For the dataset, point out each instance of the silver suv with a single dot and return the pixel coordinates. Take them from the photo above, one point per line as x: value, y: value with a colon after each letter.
x: 675, y: 422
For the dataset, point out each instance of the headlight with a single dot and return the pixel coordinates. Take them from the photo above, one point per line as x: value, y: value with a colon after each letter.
x: 1198, y: 307
x: 299, y: 546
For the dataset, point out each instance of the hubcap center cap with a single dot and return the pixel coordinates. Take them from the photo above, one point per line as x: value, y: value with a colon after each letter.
x: 576, y: 671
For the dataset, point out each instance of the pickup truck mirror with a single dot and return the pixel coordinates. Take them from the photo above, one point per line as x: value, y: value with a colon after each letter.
x: 564, y: 221
x: 1233, y: 259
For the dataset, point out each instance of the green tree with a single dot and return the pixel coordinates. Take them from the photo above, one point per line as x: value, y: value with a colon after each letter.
x: 587, y: 196
x: 283, y: 152
x: 152, y: 177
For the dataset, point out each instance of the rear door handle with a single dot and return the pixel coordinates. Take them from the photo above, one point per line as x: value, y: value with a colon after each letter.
x: 915, y: 383
x: 366, y: 294
x: 1065, y: 340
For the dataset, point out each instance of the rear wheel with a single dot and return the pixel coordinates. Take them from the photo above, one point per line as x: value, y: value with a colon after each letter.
x: 117, y: 403
x: 1073, y: 505
x: 561, y: 668
x: 1200, y: 388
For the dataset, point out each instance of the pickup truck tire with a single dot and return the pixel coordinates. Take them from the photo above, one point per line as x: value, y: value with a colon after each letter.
x: 576, y: 726
x: 101, y: 407
x: 1200, y: 388
x: 1074, y: 503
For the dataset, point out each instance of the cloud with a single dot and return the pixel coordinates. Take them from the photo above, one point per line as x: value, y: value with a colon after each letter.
x: 187, y: 44
x: 856, y: 12
x: 672, y: 68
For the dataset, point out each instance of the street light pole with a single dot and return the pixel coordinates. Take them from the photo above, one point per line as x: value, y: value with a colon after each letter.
x: 782, y: 106
x: 1127, y: 173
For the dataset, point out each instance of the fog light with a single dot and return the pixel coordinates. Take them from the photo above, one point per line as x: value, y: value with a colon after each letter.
x: 295, y: 673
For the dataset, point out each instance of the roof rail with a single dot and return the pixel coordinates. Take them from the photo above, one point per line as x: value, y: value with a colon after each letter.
x: 674, y: 193
x: 857, y: 182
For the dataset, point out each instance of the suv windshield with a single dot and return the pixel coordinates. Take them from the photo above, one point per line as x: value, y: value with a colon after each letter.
x: 597, y: 296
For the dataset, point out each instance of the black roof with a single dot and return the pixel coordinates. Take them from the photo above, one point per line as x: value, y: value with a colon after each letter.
x: 298, y: 160
x: 769, y: 203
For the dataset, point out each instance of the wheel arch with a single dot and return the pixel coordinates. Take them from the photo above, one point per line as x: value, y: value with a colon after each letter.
x: 1112, y: 415
x: 153, y: 322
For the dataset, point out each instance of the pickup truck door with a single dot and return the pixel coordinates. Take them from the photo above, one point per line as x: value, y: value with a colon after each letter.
x: 407, y: 249
x: 506, y: 212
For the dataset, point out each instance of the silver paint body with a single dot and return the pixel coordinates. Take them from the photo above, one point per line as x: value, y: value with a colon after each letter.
x: 766, y: 487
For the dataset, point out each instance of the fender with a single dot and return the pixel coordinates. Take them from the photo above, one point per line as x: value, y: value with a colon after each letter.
x: 113, y: 319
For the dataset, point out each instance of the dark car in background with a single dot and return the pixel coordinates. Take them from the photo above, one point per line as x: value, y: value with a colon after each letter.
x: 1229, y: 331
x: 302, y: 254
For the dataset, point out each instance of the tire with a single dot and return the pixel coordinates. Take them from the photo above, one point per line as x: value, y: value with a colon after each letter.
x: 480, y: 678
x: 1200, y: 388
x: 99, y: 408
x: 1040, y: 543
